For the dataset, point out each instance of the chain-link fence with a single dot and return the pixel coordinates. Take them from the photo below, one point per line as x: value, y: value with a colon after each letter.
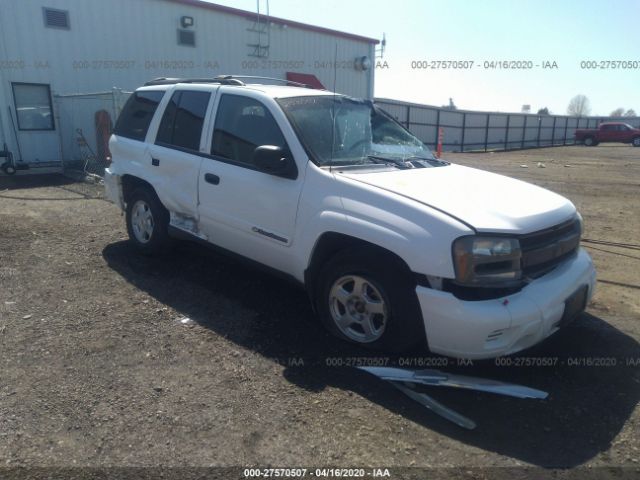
x: 467, y: 131
x: 85, y: 123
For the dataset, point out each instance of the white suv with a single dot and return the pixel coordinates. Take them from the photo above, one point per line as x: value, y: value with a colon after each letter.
x: 395, y: 247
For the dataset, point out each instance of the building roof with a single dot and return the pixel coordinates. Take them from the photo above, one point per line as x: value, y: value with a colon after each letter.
x: 280, y: 21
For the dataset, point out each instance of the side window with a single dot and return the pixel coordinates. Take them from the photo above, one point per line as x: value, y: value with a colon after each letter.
x: 609, y: 128
x: 137, y: 114
x: 183, y: 119
x: 242, y: 124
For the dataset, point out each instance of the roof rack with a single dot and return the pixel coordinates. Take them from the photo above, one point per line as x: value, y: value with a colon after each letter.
x: 222, y: 80
x: 281, y: 80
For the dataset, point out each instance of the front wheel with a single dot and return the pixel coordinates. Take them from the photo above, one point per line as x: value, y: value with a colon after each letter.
x: 636, y: 142
x: 147, y: 222
x: 368, y: 298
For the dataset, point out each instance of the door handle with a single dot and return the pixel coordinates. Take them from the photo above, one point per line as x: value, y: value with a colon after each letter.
x: 155, y: 162
x: 212, y: 179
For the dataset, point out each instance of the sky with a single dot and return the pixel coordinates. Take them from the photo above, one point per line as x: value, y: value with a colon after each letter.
x: 566, y: 32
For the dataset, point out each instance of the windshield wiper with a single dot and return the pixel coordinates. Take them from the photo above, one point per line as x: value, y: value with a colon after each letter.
x: 391, y: 161
x: 433, y: 161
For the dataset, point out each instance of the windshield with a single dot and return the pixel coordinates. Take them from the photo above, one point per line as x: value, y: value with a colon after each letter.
x: 345, y: 131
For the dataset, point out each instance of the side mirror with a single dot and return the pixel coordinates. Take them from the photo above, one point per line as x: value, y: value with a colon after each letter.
x: 275, y: 161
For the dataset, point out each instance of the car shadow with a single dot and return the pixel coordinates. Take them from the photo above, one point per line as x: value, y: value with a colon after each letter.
x: 587, y: 406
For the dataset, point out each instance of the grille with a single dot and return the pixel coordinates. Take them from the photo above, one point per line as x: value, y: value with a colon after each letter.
x: 56, y: 18
x: 543, y: 251
x: 496, y: 334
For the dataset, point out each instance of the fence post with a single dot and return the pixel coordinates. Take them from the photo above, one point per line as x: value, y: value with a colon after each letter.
x: 464, y: 126
x: 437, y: 127
x: 486, y: 132
x: 56, y: 103
x: 114, y: 102
x: 553, y: 132
x: 506, y: 132
x: 524, y: 131
x: 566, y: 126
x: 539, y: 127
x: 578, y: 126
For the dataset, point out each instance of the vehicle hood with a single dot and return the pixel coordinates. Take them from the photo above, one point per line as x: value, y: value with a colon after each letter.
x: 486, y: 201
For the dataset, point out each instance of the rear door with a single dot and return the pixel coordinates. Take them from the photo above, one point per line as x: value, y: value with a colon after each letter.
x: 241, y: 208
x: 175, y: 156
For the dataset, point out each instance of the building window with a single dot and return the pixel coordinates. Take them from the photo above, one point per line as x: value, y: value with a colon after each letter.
x: 33, y: 106
x: 187, y: 38
x: 54, y: 18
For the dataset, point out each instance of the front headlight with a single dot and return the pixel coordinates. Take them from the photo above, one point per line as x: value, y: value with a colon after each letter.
x: 487, y: 261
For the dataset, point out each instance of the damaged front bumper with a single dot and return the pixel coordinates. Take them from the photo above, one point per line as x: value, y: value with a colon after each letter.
x: 492, y: 328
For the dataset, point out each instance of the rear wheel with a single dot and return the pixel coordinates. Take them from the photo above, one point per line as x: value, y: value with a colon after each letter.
x: 8, y: 168
x: 590, y: 142
x: 148, y: 222
x: 367, y: 297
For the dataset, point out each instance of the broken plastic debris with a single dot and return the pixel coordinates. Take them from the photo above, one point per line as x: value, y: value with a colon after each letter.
x: 443, y: 379
x: 185, y: 321
x: 402, y: 379
x: 524, y: 166
x: 541, y: 165
x: 436, y: 407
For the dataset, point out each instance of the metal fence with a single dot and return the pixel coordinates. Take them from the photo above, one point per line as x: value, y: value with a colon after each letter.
x: 85, y: 123
x: 468, y: 131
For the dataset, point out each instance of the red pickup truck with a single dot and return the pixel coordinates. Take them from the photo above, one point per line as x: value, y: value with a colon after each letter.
x: 609, y: 132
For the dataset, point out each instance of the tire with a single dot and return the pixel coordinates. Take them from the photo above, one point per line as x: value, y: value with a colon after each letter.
x: 374, y: 294
x: 636, y: 142
x: 8, y: 169
x: 148, y: 222
x: 590, y: 142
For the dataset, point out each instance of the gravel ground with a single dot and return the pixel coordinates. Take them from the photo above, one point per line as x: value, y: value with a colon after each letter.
x: 111, y: 359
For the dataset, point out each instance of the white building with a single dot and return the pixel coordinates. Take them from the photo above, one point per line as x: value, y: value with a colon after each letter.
x: 52, y: 50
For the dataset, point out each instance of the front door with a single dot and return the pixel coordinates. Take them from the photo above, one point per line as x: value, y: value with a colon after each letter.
x: 242, y: 209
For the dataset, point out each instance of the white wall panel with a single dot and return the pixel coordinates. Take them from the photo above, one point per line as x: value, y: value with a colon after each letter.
x: 124, y: 43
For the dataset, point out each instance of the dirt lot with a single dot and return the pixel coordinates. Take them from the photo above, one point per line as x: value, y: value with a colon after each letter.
x: 98, y: 366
